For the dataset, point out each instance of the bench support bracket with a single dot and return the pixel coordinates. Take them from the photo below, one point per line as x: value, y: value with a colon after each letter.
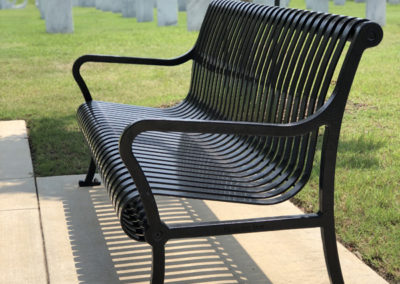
x: 90, y: 180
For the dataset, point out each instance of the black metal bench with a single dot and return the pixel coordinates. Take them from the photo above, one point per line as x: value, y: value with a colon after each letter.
x: 247, y: 130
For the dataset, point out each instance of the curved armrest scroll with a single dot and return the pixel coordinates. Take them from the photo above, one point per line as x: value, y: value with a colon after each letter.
x: 200, y: 126
x: 121, y: 60
x: 216, y: 127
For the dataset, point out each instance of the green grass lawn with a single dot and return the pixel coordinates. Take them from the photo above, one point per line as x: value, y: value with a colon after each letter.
x: 37, y: 86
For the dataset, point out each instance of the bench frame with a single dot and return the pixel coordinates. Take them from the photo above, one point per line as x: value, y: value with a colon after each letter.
x: 328, y: 116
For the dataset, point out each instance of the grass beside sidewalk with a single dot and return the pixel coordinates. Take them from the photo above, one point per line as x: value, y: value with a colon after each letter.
x: 37, y: 83
x: 37, y: 86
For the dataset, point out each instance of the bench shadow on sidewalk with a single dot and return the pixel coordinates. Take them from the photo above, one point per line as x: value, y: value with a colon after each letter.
x: 114, y: 258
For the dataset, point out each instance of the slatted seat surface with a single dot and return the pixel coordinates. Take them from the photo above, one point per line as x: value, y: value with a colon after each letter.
x: 215, y: 167
x: 250, y: 63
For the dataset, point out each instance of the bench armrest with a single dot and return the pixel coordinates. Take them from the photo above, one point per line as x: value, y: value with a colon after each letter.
x: 307, y: 125
x: 214, y: 127
x: 121, y: 60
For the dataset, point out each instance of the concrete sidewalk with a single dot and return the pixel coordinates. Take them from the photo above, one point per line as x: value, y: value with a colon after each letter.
x: 22, y: 258
x: 66, y: 234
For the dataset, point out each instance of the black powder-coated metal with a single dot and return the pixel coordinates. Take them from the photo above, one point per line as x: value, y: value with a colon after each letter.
x: 247, y: 130
x: 90, y: 180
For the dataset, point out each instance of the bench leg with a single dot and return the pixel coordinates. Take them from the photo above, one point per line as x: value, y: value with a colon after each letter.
x: 158, y: 266
x: 331, y: 253
x: 90, y: 180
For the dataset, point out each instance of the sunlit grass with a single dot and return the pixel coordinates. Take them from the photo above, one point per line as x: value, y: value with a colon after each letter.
x: 37, y: 83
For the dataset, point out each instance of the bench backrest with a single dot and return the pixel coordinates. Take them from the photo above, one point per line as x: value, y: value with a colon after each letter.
x: 274, y: 65
x: 270, y: 64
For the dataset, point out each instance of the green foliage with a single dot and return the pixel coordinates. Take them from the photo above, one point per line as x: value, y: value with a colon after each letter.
x: 37, y: 86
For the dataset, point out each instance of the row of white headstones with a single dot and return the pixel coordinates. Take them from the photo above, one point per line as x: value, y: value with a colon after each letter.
x: 375, y: 9
x: 58, y: 13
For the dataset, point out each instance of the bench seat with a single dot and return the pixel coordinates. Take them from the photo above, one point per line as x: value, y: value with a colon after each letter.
x: 193, y: 165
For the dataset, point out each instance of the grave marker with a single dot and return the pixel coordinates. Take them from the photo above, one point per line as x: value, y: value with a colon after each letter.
x: 340, y: 2
x: 41, y: 5
x: 284, y: 3
x: 129, y: 8
x: 376, y: 11
x: 87, y: 3
x: 99, y: 4
x: 167, y: 12
x: 116, y: 6
x: 318, y: 5
x: 144, y: 10
x: 196, y: 10
x: 265, y: 2
x: 58, y: 16
x: 182, y: 5
x: 6, y: 4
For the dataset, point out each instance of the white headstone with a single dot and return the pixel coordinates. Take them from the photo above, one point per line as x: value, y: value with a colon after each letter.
x: 167, y: 12
x: 59, y: 16
x: 265, y: 2
x: 41, y: 6
x: 6, y: 4
x: 144, y: 10
x: 116, y: 6
x: 339, y: 2
x: 318, y: 5
x: 284, y: 3
x: 12, y: 4
x: 87, y: 3
x: 99, y: 4
x: 107, y: 5
x: 129, y: 8
x: 376, y: 11
x: 182, y: 5
x: 75, y: 2
x: 196, y: 10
